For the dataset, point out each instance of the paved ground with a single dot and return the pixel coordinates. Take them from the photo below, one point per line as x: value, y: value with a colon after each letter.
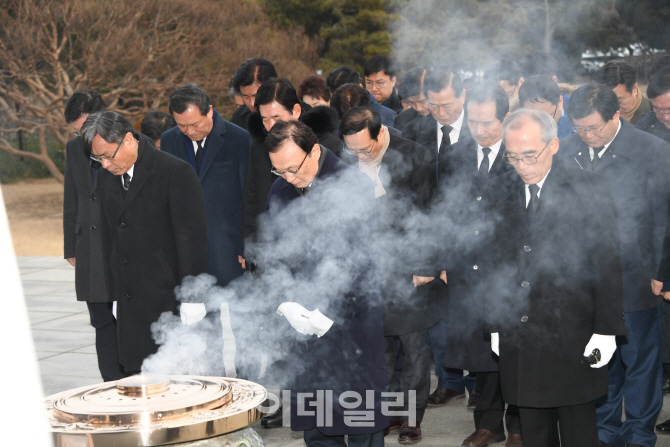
x: 64, y: 341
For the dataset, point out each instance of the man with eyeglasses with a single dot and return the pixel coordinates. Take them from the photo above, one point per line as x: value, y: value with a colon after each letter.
x: 81, y: 232
x: 552, y: 284
x: 657, y: 122
x: 445, y: 124
x: 402, y: 173
x: 636, y: 165
x: 152, y: 225
x: 542, y: 92
x: 319, y: 259
x: 380, y: 80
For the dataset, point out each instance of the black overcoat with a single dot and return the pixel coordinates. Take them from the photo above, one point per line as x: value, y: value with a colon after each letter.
x: 461, y: 209
x: 81, y: 225
x: 551, y: 283
x: 155, y: 234
x: 221, y: 175
x: 407, y: 175
x: 328, y: 236
x: 637, y: 166
x: 423, y: 131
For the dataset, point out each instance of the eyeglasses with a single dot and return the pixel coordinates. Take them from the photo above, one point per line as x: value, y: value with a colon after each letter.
x: 584, y: 130
x: 527, y: 159
x: 379, y: 84
x: 288, y: 171
x: 415, y: 104
x: 357, y: 152
x: 102, y: 158
x: 661, y: 112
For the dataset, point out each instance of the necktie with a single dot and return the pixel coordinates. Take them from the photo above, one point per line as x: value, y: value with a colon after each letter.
x: 483, y: 174
x: 446, y: 141
x: 198, y: 155
x: 534, y: 199
x: 596, y: 158
x: 126, y: 181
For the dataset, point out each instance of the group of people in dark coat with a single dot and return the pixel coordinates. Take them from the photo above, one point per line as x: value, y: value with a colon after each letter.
x: 467, y: 236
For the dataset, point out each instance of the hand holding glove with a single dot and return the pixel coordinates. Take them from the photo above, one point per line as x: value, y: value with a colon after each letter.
x: 495, y: 343
x: 191, y: 313
x: 606, y: 344
x: 304, y: 321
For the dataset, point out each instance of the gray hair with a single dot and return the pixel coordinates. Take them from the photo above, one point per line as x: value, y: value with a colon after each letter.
x: 546, y: 122
x: 111, y: 126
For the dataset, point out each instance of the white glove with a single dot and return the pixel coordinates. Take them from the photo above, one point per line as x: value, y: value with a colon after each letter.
x: 319, y: 322
x: 606, y: 344
x: 495, y: 343
x: 191, y: 313
x: 114, y: 309
x: 297, y: 316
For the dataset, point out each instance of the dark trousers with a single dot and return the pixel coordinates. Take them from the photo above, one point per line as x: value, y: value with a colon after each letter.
x: 314, y: 438
x: 449, y: 378
x: 491, y: 406
x: 106, y: 341
x: 636, y: 374
x: 415, y: 373
x: 575, y: 423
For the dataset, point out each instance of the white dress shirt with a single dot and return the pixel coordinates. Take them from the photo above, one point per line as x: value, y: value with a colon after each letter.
x: 492, y: 155
x: 539, y: 184
x: 195, y: 145
x: 455, y: 130
x: 600, y: 154
x: 130, y: 173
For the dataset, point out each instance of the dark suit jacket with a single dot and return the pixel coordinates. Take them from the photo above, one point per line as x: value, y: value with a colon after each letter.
x: 337, y: 221
x: 423, y: 130
x: 551, y: 283
x: 222, y: 172
x: 81, y: 225
x: 461, y: 208
x: 154, y: 236
x: 393, y: 103
x: 241, y: 116
x: 636, y: 165
x: 406, y: 173
x: 650, y: 124
x: 405, y: 117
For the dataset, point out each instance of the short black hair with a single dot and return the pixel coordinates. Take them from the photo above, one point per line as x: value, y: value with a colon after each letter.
x: 189, y: 94
x: 255, y: 70
x: 441, y: 79
x: 349, y: 96
x: 83, y: 102
x: 412, y: 83
x: 360, y: 118
x: 155, y: 123
x: 485, y: 92
x: 314, y: 86
x: 539, y: 89
x: 659, y: 84
x: 280, y: 90
x: 111, y: 126
x: 537, y: 63
x: 614, y: 73
x: 660, y: 64
x: 293, y: 130
x: 503, y: 70
x: 591, y: 98
x: 379, y: 63
x: 340, y: 76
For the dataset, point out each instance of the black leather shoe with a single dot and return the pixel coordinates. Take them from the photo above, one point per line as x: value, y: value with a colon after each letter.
x: 442, y: 396
x: 274, y: 420
x: 472, y: 400
x: 664, y: 427
x: 409, y: 435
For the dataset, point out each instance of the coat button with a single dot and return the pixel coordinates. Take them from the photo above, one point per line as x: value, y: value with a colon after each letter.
x: 127, y: 297
x: 353, y: 298
x: 525, y: 284
x: 92, y: 198
x: 122, y: 225
x: 479, y: 198
x: 524, y: 319
x: 475, y: 267
x: 526, y: 248
x: 476, y: 232
x: 124, y: 261
x: 92, y: 227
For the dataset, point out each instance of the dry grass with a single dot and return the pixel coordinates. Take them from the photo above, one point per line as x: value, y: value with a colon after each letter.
x: 35, y: 212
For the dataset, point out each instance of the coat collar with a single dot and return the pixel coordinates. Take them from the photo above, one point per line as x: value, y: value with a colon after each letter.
x: 621, y: 147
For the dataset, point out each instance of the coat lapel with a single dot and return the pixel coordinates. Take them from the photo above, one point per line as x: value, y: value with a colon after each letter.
x: 215, y: 141
x: 144, y: 168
